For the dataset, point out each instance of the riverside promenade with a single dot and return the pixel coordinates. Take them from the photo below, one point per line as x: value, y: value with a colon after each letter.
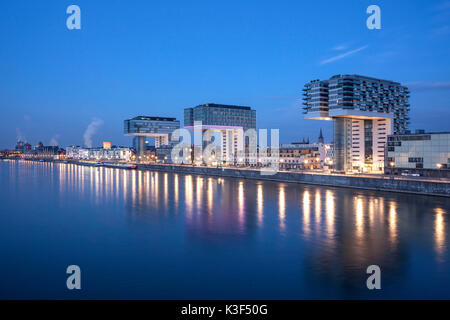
x: 375, y: 182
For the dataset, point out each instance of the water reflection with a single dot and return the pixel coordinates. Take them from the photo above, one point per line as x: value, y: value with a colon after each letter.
x: 393, y: 222
x: 241, y: 200
x: 260, y: 203
x: 175, y: 189
x: 331, y: 234
x: 318, y: 210
x: 439, y: 232
x: 330, y: 212
x: 306, y: 212
x: 282, y: 208
x: 199, y: 195
x: 359, y: 218
x: 210, y: 196
x: 189, y: 196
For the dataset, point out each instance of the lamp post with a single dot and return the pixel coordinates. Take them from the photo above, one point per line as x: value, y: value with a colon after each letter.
x: 392, y: 165
x: 439, y: 166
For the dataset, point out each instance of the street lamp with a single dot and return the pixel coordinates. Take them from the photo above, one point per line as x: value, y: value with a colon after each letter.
x: 392, y: 165
x: 439, y: 166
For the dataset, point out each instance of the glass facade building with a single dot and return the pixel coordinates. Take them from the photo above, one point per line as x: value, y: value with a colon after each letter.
x: 230, y: 123
x: 212, y: 114
x: 421, y: 153
x: 160, y: 128
x: 365, y: 111
x: 146, y: 126
x: 355, y: 92
x: 315, y: 97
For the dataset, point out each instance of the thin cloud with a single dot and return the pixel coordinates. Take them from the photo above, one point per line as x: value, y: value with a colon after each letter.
x: 428, y: 85
x: 343, y: 55
x: 340, y: 47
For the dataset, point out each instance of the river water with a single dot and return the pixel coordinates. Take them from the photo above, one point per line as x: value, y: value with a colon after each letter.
x: 154, y: 235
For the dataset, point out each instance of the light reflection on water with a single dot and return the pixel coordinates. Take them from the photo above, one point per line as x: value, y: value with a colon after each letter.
x: 439, y: 232
x: 287, y: 240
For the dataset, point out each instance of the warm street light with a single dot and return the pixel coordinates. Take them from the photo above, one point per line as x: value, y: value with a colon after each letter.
x: 392, y: 165
x: 439, y: 166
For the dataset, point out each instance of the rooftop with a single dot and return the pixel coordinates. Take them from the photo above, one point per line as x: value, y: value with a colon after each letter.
x: 363, y: 77
x: 153, y: 118
x: 419, y: 132
x: 225, y: 106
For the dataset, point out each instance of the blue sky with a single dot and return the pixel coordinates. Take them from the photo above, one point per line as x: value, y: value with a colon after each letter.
x: 158, y: 57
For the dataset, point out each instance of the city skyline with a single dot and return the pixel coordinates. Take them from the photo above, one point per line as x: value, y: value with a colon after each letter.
x: 222, y: 159
x: 83, y: 75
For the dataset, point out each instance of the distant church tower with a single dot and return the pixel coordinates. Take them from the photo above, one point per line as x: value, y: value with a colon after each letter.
x: 321, y: 137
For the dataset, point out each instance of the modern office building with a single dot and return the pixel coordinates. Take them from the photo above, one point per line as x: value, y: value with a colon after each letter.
x: 364, y: 111
x: 212, y: 114
x: 229, y: 121
x: 141, y: 127
x: 425, y: 154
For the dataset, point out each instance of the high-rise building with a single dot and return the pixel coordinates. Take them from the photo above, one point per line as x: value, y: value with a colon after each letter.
x: 365, y: 111
x: 212, y: 114
x: 160, y: 128
x: 229, y: 121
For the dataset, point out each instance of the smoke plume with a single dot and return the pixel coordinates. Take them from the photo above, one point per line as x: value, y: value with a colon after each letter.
x: 54, y: 140
x: 91, y: 130
x: 20, y: 135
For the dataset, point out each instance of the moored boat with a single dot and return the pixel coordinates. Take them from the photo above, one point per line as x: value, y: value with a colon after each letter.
x: 118, y: 165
